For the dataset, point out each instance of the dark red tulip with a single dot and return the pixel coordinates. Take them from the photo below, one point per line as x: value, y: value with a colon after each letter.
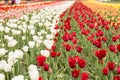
x: 111, y: 65
x: 105, y: 71
x: 41, y: 60
x: 71, y: 62
x: 75, y: 73
x: 84, y: 76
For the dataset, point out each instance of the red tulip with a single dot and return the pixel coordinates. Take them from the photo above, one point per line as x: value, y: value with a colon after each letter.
x: 46, y: 67
x: 53, y: 48
x: 111, y: 65
x: 114, y: 39
x: 104, y: 39
x: 57, y: 34
x: 56, y: 27
x: 96, y: 27
x: 100, y: 54
x: 90, y: 38
x: 65, y: 37
x: 75, y: 73
x: 58, y: 54
x: 73, y: 34
x: 98, y: 23
x: 107, y: 28
x: 81, y: 63
x: 116, y: 78
x: 55, y: 40
x: 67, y: 47
x: 68, y: 27
x: 118, y: 47
x: 71, y: 62
x: 118, y: 69
x: 105, y: 71
x: 74, y: 41
x: 40, y: 78
x: 78, y: 49
x: 70, y: 37
x: 84, y: 76
x: 41, y: 60
x: 97, y: 43
x: 85, y: 32
x: 76, y: 58
x: 100, y: 32
x: 112, y: 48
x: 53, y: 54
x: 91, y: 26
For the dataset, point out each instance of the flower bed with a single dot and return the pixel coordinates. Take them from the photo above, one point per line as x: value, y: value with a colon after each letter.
x: 109, y: 11
x: 23, y: 39
x: 60, y: 43
x: 19, y: 10
x: 88, y: 44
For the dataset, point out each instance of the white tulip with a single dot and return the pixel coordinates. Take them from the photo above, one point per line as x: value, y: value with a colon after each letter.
x: 49, y: 36
x: 42, y: 31
x: 39, y: 33
x: 31, y: 44
x: 20, y: 27
x: 2, y: 51
x: 48, y: 43
x: 1, y: 20
x: 45, y: 32
x: 32, y: 32
x: 32, y: 67
x: 12, y: 43
x: 2, y: 63
x: 45, y: 53
x: 7, y: 68
x: 4, y: 66
x: 11, y: 62
x: 38, y: 42
x: 20, y: 77
x: 17, y: 32
x: 2, y: 76
x: 24, y: 30
x: 13, y: 31
x: 41, y: 37
x: 53, y: 30
x: 12, y: 56
x: 35, y: 38
x: 24, y: 25
x: 6, y: 37
x: 10, y: 38
x: 19, y: 54
x: 40, y: 24
x: 7, y: 29
x: 25, y: 48
x: 30, y: 27
x: 23, y: 37
x: 32, y: 22
x: 33, y: 72
x: 1, y: 28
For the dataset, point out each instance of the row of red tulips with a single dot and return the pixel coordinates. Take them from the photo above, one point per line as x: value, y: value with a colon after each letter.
x: 86, y: 47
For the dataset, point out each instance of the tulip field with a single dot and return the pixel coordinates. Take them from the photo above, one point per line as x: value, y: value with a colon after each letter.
x: 61, y: 40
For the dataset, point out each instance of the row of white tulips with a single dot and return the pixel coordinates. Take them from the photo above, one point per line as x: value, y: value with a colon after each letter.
x: 21, y: 40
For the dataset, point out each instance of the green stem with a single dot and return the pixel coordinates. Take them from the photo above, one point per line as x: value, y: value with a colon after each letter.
x: 19, y: 67
x: 27, y: 61
x: 8, y: 76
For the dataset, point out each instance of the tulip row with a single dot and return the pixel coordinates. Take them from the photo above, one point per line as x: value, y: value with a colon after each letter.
x: 25, y: 39
x: 109, y: 11
x: 89, y: 47
x: 19, y: 10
